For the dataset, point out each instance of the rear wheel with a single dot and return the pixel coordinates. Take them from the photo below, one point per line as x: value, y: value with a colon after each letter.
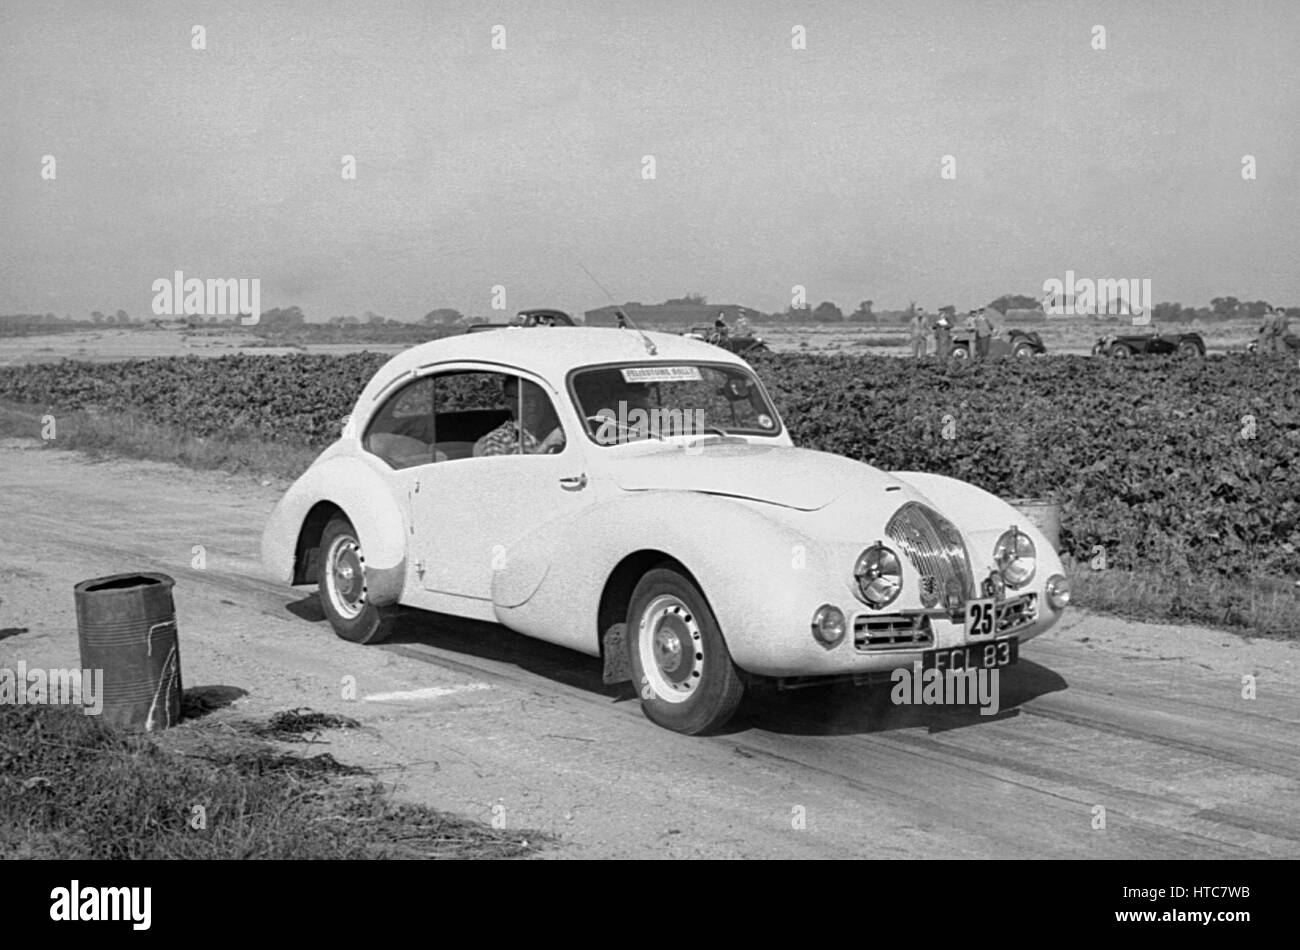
x: 341, y: 575
x: 680, y: 663
x: 1121, y: 351
x: 1188, y: 348
x: 1023, y: 350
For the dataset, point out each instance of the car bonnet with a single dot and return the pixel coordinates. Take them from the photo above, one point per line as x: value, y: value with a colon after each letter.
x: 781, y: 475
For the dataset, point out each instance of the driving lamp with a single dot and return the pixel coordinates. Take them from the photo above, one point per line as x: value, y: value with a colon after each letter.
x: 828, y: 625
x: 1058, y: 592
x: 1015, y: 557
x: 879, y: 576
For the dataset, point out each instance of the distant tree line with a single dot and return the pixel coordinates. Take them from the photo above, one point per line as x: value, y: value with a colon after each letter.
x: 689, y: 308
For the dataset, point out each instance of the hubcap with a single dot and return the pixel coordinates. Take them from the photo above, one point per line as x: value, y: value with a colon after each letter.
x: 671, y: 648
x: 346, y: 578
x: 668, y: 649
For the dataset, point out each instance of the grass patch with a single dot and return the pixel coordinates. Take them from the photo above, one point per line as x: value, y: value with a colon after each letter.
x: 1255, y: 606
x: 128, y: 434
x: 70, y: 787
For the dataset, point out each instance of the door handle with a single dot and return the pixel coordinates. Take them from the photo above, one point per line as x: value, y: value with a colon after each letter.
x: 574, y: 482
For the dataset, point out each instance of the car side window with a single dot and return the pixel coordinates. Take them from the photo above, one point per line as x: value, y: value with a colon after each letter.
x: 486, y: 414
x: 402, y: 431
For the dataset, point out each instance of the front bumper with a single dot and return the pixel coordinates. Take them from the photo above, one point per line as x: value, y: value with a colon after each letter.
x: 880, y: 642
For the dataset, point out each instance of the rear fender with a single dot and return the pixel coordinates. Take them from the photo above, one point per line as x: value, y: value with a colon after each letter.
x: 350, y: 484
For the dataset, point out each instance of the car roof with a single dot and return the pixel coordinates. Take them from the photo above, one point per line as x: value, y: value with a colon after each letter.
x: 550, y: 352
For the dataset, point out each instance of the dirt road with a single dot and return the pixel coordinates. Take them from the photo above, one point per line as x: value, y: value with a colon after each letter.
x: 1146, y: 722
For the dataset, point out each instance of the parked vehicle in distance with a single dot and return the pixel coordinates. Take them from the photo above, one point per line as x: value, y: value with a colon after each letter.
x: 636, y: 497
x: 1124, y: 345
x: 537, y: 317
x: 1015, y: 342
x: 740, y: 345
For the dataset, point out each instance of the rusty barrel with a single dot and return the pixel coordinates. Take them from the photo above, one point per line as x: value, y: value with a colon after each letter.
x: 1045, y: 515
x: 126, y: 626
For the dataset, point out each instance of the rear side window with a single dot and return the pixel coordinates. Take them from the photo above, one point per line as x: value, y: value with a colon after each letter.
x: 402, y: 431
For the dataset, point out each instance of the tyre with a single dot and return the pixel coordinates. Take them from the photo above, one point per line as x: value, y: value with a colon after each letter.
x: 1023, y: 350
x: 1120, y: 351
x: 341, y: 576
x: 1188, y: 348
x: 680, y: 663
x: 961, y: 351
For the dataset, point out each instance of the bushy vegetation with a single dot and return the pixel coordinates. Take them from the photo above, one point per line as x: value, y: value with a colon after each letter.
x: 1184, y: 465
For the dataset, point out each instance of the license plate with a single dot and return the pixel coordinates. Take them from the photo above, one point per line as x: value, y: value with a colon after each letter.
x: 981, y: 618
x: 978, y: 656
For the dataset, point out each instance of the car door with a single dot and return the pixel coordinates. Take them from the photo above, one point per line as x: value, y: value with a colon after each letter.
x: 468, y: 510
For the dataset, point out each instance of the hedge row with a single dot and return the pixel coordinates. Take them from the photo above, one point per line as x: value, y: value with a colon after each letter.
x: 1187, y: 464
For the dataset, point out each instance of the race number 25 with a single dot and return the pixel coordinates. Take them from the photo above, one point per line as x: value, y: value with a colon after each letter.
x: 981, y: 618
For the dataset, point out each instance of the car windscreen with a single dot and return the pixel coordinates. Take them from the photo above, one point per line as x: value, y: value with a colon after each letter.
x: 634, y: 401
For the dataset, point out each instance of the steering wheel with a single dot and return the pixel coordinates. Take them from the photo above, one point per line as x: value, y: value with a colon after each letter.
x: 640, y: 433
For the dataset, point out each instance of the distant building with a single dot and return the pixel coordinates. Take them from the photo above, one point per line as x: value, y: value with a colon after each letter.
x: 1067, y: 305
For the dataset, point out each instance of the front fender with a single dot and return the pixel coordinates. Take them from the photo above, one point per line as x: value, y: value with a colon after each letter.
x: 351, y: 484
x: 757, y: 573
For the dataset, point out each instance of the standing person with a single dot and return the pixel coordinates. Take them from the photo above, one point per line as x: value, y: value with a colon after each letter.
x: 920, y: 325
x: 1268, y: 333
x: 983, y: 333
x: 942, y: 337
x: 1283, y: 325
x: 720, y: 331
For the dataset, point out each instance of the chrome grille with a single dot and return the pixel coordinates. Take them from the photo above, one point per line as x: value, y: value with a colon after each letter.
x: 934, y: 546
x: 892, y: 632
x: 1017, y: 612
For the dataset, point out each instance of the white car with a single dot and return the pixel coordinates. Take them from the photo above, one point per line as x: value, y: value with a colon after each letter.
x: 636, y: 496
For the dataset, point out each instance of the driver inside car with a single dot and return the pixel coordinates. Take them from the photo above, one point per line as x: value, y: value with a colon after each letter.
x: 523, y: 431
x: 616, y: 411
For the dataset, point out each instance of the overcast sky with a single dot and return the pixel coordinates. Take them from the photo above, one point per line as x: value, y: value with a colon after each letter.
x: 775, y: 167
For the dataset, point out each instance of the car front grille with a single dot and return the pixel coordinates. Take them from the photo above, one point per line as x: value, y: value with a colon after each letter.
x: 935, y: 547
x: 892, y: 632
x: 1017, y: 612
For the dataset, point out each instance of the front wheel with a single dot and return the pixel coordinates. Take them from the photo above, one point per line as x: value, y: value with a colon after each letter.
x: 341, y: 575
x: 961, y: 352
x: 1023, y: 350
x: 680, y: 663
x: 1188, y: 348
x: 1120, y: 351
